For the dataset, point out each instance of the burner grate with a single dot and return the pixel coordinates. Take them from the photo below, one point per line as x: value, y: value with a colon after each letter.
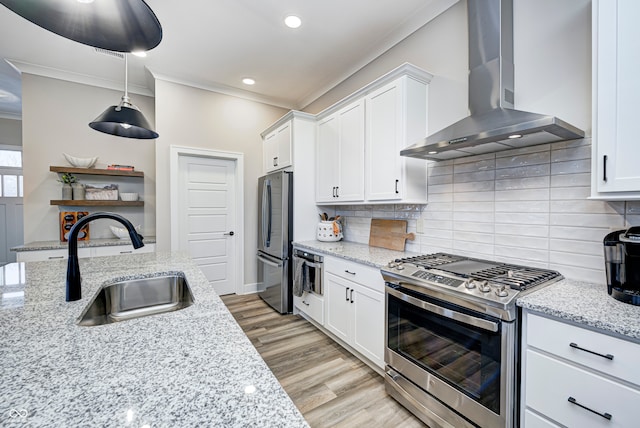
x: 433, y: 260
x: 516, y: 277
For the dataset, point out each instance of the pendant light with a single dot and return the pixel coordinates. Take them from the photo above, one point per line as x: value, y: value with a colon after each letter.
x: 114, y: 25
x: 125, y: 119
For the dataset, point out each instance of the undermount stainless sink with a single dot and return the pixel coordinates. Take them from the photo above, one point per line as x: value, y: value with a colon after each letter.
x: 137, y: 298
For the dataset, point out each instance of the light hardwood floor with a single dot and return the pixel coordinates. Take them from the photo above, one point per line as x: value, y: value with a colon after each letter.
x: 330, y: 386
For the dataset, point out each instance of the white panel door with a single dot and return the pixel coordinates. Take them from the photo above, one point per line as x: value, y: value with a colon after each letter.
x: 11, y: 213
x: 207, y: 217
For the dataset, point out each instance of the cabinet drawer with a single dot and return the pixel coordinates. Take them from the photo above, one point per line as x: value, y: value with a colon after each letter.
x: 556, y: 338
x: 549, y: 383
x: 44, y: 255
x: 533, y: 420
x: 367, y: 276
x: 121, y: 249
x: 312, y: 305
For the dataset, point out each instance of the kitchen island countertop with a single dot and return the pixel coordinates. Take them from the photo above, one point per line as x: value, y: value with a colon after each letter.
x: 58, y: 245
x: 192, y: 367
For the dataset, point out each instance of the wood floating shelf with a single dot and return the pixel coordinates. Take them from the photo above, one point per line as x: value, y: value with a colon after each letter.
x: 92, y: 203
x: 96, y: 171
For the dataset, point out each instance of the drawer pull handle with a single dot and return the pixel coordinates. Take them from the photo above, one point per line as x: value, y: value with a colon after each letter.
x: 55, y: 257
x: 607, y: 356
x: 126, y: 252
x: 305, y: 303
x: 572, y: 400
x: 346, y: 294
x: 352, y: 295
x: 349, y: 272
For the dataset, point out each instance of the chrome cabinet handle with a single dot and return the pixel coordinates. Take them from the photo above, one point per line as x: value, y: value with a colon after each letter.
x: 605, y: 415
x: 352, y: 295
x: 346, y: 294
x: 607, y: 356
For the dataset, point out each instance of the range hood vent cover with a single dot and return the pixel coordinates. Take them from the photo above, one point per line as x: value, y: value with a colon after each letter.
x: 494, y: 124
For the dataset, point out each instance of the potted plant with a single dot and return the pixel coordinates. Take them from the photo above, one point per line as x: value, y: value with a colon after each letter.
x: 67, y: 179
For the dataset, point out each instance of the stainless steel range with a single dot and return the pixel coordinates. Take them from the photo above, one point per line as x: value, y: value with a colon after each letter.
x: 452, y: 337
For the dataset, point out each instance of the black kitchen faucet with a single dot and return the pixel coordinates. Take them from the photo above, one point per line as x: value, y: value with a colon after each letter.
x: 73, y: 267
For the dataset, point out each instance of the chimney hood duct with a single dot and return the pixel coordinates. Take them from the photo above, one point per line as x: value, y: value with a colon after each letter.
x: 494, y: 124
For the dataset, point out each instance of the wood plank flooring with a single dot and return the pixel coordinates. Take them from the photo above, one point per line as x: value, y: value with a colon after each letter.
x: 330, y: 386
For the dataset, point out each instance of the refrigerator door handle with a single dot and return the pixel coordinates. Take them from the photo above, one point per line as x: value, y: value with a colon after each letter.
x: 263, y: 214
x: 269, y: 262
x: 270, y: 214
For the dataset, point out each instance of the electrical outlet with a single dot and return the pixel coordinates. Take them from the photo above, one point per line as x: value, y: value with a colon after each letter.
x: 420, y: 225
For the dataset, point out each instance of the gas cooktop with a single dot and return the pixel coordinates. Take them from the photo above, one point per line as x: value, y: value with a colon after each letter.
x: 458, y: 278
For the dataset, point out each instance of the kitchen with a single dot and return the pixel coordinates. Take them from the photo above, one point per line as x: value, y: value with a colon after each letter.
x: 474, y: 205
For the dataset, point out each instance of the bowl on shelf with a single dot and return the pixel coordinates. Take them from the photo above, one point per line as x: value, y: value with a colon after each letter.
x: 122, y: 232
x: 132, y: 196
x: 80, y: 162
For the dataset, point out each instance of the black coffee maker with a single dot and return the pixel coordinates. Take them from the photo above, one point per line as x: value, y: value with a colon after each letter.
x: 622, y: 261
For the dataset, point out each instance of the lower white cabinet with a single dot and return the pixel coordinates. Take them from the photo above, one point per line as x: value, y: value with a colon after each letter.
x: 577, y: 377
x: 63, y: 253
x: 311, y: 304
x: 354, y: 310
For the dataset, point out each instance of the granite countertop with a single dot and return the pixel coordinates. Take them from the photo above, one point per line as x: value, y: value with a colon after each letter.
x: 587, y: 304
x: 192, y: 367
x: 57, y: 245
x: 580, y: 302
x: 361, y: 253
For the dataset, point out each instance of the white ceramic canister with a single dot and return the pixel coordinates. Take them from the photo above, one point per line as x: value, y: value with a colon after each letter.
x: 327, y: 231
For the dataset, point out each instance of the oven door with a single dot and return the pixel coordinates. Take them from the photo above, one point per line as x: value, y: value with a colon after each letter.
x: 464, y: 359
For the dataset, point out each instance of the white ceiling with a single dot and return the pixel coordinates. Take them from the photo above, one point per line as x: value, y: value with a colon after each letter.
x: 213, y: 44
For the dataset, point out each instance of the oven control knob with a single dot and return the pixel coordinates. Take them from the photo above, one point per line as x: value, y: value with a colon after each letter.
x: 502, y: 291
x: 392, y: 265
x: 470, y: 284
x: 400, y: 266
x: 484, y: 286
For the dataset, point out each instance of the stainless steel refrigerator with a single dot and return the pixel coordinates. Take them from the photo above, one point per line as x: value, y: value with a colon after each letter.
x: 275, y: 233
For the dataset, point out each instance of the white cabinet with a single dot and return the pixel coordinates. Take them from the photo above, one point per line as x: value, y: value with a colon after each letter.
x: 112, y: 250
x: 396, y: 117
x: 312, y: 305
x: 360, y: 139
x: 340, y: 155
x: 616, y: 89
x: 277, y: 148
x: 354, y: 307
x: 572, y: 376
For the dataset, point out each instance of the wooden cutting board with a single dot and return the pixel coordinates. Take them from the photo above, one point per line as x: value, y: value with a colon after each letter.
x: 390, y: 234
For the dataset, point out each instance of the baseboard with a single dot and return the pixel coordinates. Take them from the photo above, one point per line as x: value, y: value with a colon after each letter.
x: 248, y: 288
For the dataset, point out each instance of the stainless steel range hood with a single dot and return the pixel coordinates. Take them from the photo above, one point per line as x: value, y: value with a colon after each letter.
x: 494, y: 124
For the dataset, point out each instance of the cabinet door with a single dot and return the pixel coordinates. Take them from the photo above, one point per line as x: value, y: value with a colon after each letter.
x: 350, y: 156
x: 270, y: 151
x: 327, y: 159
x: 338, y: 306
x: 384, y: 135
x: 117, y: 250
x: 617, y: 93
x: 283, y: 140
x: 368, y: 324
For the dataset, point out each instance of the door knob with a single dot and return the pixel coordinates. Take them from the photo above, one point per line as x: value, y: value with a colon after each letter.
x: 230, y: 233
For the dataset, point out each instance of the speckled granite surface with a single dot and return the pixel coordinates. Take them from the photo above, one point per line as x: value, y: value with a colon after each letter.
x: 372, y: 256
x: 588, y: 304
x: 193, y: 367
x: 57, y: 245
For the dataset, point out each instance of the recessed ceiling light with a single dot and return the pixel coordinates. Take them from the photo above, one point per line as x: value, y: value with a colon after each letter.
x: 292, y: 21
x: 248, y: 81
x: 432, y: 153
x: 141, y: 54
x: 514, y: 136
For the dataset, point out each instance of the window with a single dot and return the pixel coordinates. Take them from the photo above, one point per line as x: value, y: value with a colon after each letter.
x: 11, y: 182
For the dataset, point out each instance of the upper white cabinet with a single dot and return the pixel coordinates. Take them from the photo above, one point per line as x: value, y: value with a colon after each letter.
x: 277, y: 148
x: 360, y: 138
x: 340, y: 155
x: 396, y: 117
x: 616, y: 89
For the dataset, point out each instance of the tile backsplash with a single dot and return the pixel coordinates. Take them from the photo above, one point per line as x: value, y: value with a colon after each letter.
x: 524, y: 206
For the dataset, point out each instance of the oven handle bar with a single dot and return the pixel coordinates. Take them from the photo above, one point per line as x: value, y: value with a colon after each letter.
x: 447, y: 313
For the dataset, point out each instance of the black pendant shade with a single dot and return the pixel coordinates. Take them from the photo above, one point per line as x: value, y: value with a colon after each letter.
x: 124, y: 122
x: 115, y: 25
